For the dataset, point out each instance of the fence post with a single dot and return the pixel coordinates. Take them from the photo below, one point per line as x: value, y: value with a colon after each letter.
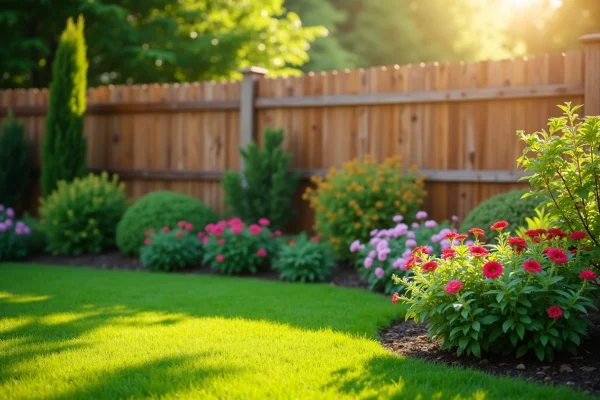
x: 591, y: 100
x: 247, y: 112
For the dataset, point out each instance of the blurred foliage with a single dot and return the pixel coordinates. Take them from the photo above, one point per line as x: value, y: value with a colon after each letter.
x: 132, y: 41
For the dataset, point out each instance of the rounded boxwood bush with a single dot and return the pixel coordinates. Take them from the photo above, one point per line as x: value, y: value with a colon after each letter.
x: 506, y: 206
x: 81, y: 216
x: 156, y: 210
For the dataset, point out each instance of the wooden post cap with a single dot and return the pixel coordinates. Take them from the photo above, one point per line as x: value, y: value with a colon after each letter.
x: 590, y: 38
x: 253, y: 71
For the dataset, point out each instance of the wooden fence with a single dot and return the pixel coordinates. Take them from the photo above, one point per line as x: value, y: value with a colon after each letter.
x: 456, y: 122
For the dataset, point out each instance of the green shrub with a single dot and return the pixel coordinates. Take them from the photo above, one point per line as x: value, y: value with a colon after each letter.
x: 159, y: 209
x: 266, y: 188
x: 81, y: 216
x: 64, y: 149
x: 36, y: 241
x: 508, y: 206
x: 360, y: 197
x: 15, y: 161
x: 563, y: 169
x: 305, y: 260
x: 521, y: 296
x: 167, y: 249
x: 13, y: 234
x: 232, y: 248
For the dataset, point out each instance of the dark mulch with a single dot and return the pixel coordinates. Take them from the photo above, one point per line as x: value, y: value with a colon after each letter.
x: 581, y: 371
x: 342, y: 275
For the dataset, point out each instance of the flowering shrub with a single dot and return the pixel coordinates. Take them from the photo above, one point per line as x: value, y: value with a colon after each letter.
x: 305, y: 259
x: 389, y: 250
x: 231, y: 247
x: 13, y: 236
x: 362, y: 196
x: 81, y: 216
x: 541, y: 220
x: 517, y: 296
x: 169, y: 249
x: 564, y: 170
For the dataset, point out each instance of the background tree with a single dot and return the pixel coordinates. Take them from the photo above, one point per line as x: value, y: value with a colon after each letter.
x: 132, y: 41
x: 15, y: 161
x: 64, y: 148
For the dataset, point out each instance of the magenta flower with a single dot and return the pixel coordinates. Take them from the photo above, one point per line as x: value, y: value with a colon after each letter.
x: 2, y: 227
x: 8, y: 223
x: 382, y: 245
x: 237, y: 229
x: 398, y: 218
x: 453, y: 286
x: 264, y: 222
x: 1, y: 207
x: 10, y: 213
x: 436, y: 238
x: 261, y: 253
x: 410, y: 234
x: 372, y: 254
x: 374, y: 232
x: 400, y: 263
x: 255, y: 229
x: 421, y: 215
x: 368, y: 262
x: 356, y: 246
x: 379, y: 272
x: 430, y: 224
x: 415, y: 225
x: 382, y: 256
x: 410, y: 243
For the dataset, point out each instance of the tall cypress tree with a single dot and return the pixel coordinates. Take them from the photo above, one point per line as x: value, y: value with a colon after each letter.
x: 64, y: 150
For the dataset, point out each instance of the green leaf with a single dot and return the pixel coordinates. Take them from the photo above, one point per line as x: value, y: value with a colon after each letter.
x: 520, y: 330
x: 475, y: 349
x: 489, y: 319
x: 462, y: 343
x: 539, y: 352
x: 476, y: 325
x: 507, y: 325
x: 543, y: 340
x: 525, y: 319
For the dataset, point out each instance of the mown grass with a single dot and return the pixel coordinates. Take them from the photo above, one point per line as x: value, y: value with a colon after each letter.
x: 84, y: 333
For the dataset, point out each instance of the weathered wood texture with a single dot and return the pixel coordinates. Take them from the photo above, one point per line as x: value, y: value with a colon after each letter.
x: 456, y: 122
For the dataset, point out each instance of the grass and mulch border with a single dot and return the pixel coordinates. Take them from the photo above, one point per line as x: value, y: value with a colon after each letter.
x: 409, y: 339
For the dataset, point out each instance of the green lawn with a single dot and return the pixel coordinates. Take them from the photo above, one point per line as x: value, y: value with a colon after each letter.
x: 84, y: 333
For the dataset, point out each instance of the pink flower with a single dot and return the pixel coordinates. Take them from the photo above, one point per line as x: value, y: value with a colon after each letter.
x: 200, y: 235
x: 374, y: 232
x: 372, y: 254
x: 382, y: 256
x: 218, y: 230
x: 314, y: 239
x: 398, y: 218
x: 368, y: 262
x: 421, y: 215
x: 261, y: 253
x: 415, y: 225
x: 410, y: 243
x: 578, y: 235
x: 356, y: 246
x: 220, y: 258
x: 532, y: 266
x: 221, y: 241
x: 379, y: 272
x: 264, y: 222
x: 205, y: 239
x: 209, y: 227
x: 277, y: 233
x: 436, y: 238
x: 478, y: 251
x: 255, y: 229
x: 455, y: 218
x: 148, y: 241
x: 237, y: 229
x: 181, y: 224
x: 469, y: 243
x: 557, y: 255
x: 188, y: 227
x: 587, y: 275
x: 554, y: 312
x: 180, y: 234
x: 492, y: 269
x: 430, y: 224
x: 382, y: 245
x: 10, y: 213
x: 429, y: 266
x: 165, y: 229
x: 149, y: 232
x: 400, y: 263
x: 453, y: 286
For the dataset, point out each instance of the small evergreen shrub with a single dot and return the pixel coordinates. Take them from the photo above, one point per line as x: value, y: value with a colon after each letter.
x: 362, y: 196
x: 159, y: 209
x: 64, y: 149
x: 265, y: 190
x: 15, y: 161
x: 517, y: 297
x: 305, y: 259
x: 81, y: 217
x: 13, y: 235
x: 390, y: 250
x: 171, y: 249
x: 541, y: 220
x: 510, y: 206
x: 233, y: 248
x: 36, y: 241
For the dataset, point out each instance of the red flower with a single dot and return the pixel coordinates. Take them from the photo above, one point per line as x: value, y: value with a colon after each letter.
x: 221, y: 241
x: 557, y: 255
x: 450, y: 236
x: 412, y: 261
x: 532, y: 233
x: 453, y: 286
x: 492, y: 269
x: 477, y: 232
x: 264, y: 222
x: 314, y: 239
x: 573, y: 251
x: 517, y: 242
x: 261, y: 253
x: 587, y: 275
x: 461, y: 237
x: 498, y: 226
x: 546, y: 250
x: 532, y: 266
x: 220, y: 258
x: 395, y: 298
x: 165, y: 229
x: 478, y: 251
x: 420, y: 249
x: 149, y: 232
x: 554, y: 312
x: 578, y: 235
x: 555, y: 233
x: 255, y: 229
x: 429, y: 266
x: 448, y: 253
x: 179, y: 234
x: 541, y: 231
x: 148, y: 241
